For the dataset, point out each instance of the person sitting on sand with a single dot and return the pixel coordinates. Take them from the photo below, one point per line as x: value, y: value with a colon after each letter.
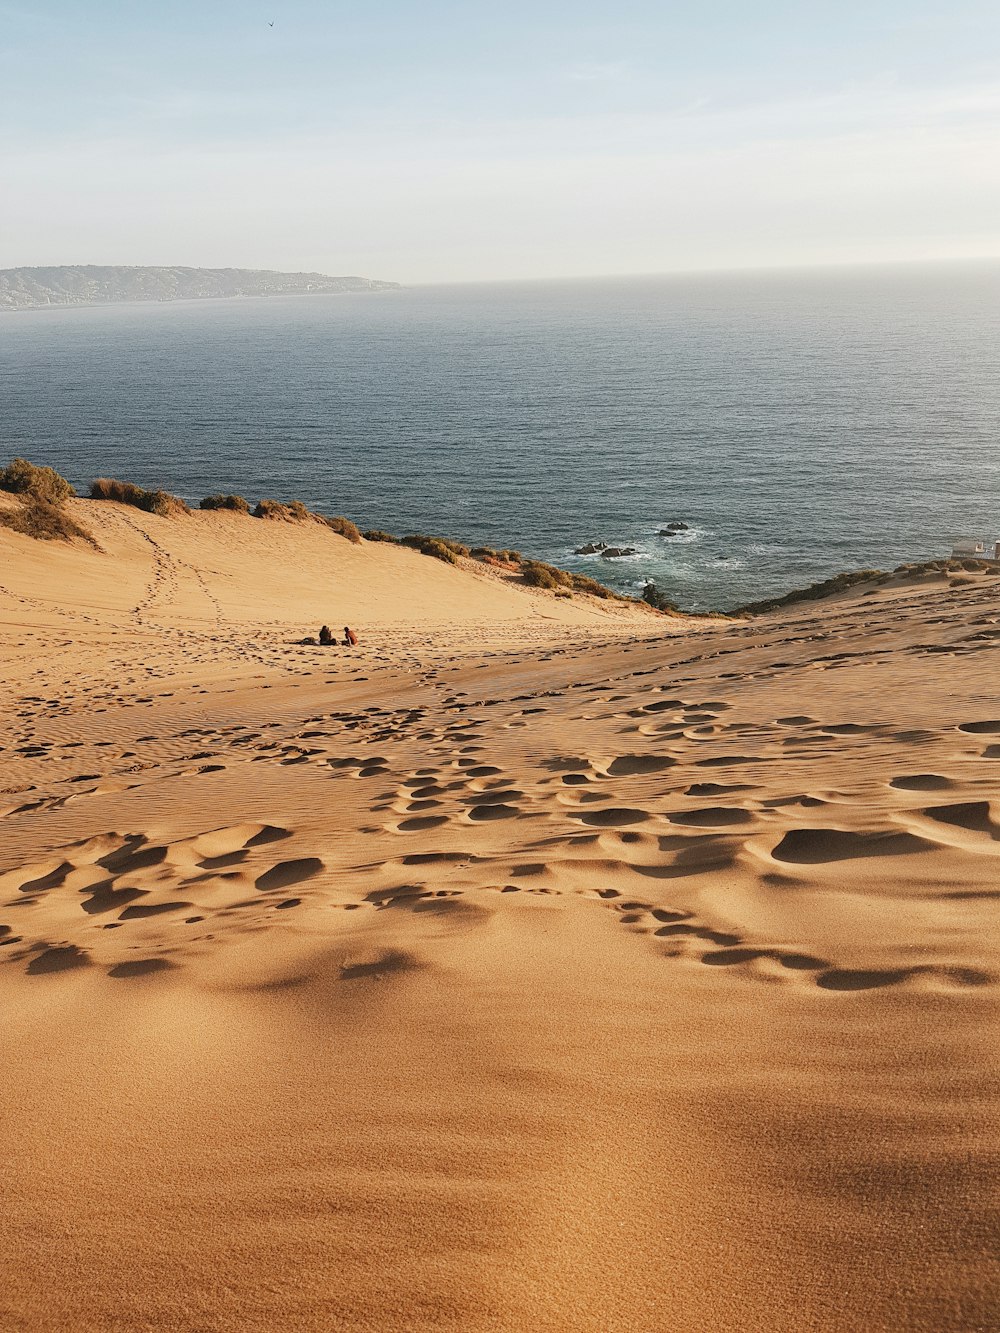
x: 350, y: 638
x: 326, y: 636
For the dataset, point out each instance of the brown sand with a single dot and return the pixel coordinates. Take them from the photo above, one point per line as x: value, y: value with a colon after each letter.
x: 539, y: 965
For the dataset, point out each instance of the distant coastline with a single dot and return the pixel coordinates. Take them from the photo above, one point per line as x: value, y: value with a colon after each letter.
x: 98, y: 284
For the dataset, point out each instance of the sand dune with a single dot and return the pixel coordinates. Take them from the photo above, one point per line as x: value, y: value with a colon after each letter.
x: 539, y: 965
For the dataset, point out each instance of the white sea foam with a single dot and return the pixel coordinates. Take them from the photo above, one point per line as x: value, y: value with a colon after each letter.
x: 688, y: 538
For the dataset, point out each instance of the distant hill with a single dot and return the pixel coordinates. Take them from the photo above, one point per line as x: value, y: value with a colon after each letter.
x: 99, y: 284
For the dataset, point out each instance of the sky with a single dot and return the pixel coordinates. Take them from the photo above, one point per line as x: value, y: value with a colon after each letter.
x: 450, y: 142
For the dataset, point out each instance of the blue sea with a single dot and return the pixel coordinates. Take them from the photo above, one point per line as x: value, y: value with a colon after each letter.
x: 799, y: 422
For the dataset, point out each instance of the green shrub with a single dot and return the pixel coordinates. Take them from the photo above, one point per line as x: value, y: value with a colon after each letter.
x: 292, y: 512
x: 490, y: 556
x: 435, y: 546
x: 42, y: 483
x: 43, y: 520
x: 815, y: 591
x: 296, y: 512
x: 583, y: 583
x: 377, y: 535
x: 537, y: 574
x: 234, y: 502
x: 152, y: 502
x: 343, y: 527
x: 653, y: 597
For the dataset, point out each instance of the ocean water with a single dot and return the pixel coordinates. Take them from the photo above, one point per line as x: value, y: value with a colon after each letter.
x: 801, y: 423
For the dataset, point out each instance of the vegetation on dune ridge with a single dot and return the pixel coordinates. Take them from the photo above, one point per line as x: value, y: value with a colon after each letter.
x: 233, y: 502
x: 343, y: 527
x: 538, y: 574
x: 41, y: 483
x: 125, y: 492
x: 491, y: 557
x: 438, y: 547
x: 877, y: 577
x: 815, y: 591
x: 45, y: 486
x: 38, y: 512
x: 534, y: 573
x: 294, y: 511
x: 44, y: 521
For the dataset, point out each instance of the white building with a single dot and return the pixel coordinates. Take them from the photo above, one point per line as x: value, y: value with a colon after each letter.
x: 975, y: 550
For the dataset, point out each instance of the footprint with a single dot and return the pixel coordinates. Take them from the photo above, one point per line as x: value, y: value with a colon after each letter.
x: 717, y: 816
x: 627, y: 765
x: 716, y: 788
x: 723, y: 938
x: 797, y: 962
x: 143, y: 910
x: 287, y: 873
x: 849, y: 979
x: 59, y: 959
x: 103, y: 898
x: 972, y: 815
x: 921, y: 782
x: 392, y: 960
x: 139, y: 967
x: 613, y: 817
x: 816, y: 846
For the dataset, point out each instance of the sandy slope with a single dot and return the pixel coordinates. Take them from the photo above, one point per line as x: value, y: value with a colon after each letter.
x: 530, y: 968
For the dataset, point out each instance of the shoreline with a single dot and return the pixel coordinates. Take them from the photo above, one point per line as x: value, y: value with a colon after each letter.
x: 532, y: 572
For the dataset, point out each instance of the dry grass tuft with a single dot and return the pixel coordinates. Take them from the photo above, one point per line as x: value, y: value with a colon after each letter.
x: 126, y: 493
x: 537, y: 574
x: 438, y: 547
x: 272, y: 509
x: 233, y: 502
x: 296, y: 512
x: 44, y: 521
x: 292, y: 512
x: 377, y: 535
x: 343, y: 527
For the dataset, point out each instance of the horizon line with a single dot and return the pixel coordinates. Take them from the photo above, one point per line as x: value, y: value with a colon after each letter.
x: 726, y: 269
